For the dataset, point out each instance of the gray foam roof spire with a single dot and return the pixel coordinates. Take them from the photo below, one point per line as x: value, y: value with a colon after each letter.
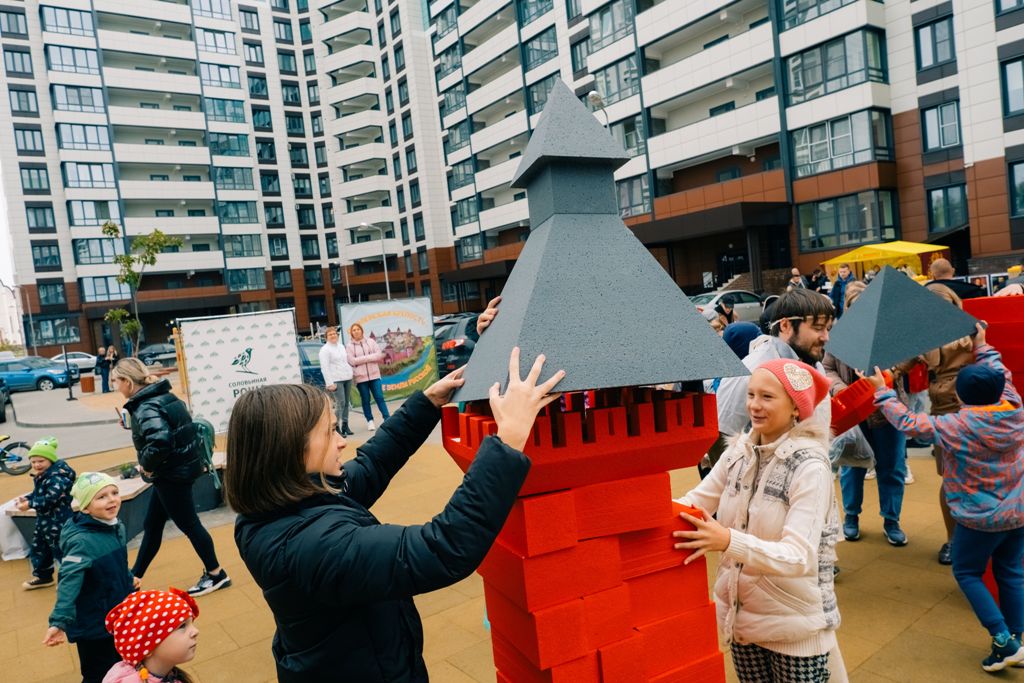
x: 584, y: 291
x: 567, y: 130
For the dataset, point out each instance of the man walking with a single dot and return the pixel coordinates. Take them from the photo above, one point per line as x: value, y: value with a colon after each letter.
x: 337, y: 376
x: 839, y: 288
x: 942, y: 273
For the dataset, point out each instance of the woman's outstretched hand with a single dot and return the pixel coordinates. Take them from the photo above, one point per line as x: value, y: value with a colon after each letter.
x: 516, y: 410
x: 440, y: 392
x: 488, y: 315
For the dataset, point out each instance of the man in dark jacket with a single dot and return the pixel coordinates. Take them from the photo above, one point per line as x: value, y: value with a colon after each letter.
x: 838, y: 292
x: 942, y: 273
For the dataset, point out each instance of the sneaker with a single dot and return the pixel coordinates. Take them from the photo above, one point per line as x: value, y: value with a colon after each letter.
x: 909, y: 479
x: 369, y: 426
x: 1007, y: 653
x: 851, y: 528
x: 946, y: 554
x: 1018, y: 665
x: 894, y: 534
x: 870, y: 474
x: 36, y: 582
x: 208, y: 583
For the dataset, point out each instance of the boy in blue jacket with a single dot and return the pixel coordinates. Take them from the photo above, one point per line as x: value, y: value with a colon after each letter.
x: 983, y: 481
x: 51, y: 499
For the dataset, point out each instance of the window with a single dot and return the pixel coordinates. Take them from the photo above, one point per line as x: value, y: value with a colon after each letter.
x: 947, y: 208
x: 282, y: 278
x: 385, y: 67
x: 579, y: 52
x: 35, y: 180
x: 13, y: 25
x: 396, y: 165
x: 261, y: 119
x: 67, y: 21
x: 382, y: 37
x: 96, y: 251
x: 28, y: 140
x: 727, y: 174
x: 310, y: 247
x: 393, y: 134
x: 237, y: 212
x: 610, y: 23
x: 75, y: 98
x: 541, y: 48
x: 279, y: 4
x: 765, y: 93
x: 845, y: 141
x: 238, y: 246
x: 278, y: 246
x: 104, y: 289
x: 458, y: 136
x: 414, y: 193
x: 231, y: 178
x: 399, y: 58
x: 283, y: 30
x: 313, y: 93
x: 250, y: 20
x: 164, y: 213
x: 49, y: 331
x: 941, y: 126
x: 446, y: 21
x: 209, y: 40
x: 396, y: 23
x: 462, y: 174
x: 23, y: 102
x: 78, y: 174
x: 618, y: 81
x: 218, y: 9
x: 79, y: 136
x: 410, y: 159
x: 407, y: 126
x: 465, y: 211
x: 1008, y: 5
x: 294, y: 125
x: 40, y: 218
x: 418, y: 230
x: 245, y: 279
x: 469, y: 248
x: 273, y: 214
x: 195, y: 213
x: 1017, y: 190
x: 302, y: 185
x: 309, y: 62
x: 305, y: 32
x: 228, y: 144
x: 531, y: 9
x: 854, y: 219
x: 403, y: 92
x: 722, y: 108
x: 306, y: 215
x: 51, y: 294
x: 220, y: 75
x: 231, y: 111
x: 270, y: 183
x: 258, y: 86
x: 450, y: 60
x: 1013, y: 87
x: 837, y: 64
x: 316, y: 123
x: 93, y: 212
x: 935, y: 43
x: 290, y: 93
x: 17, y: 62
x: 324, y: 182
x: 286, y: 62
x: 297, y: 154
x: 314, y: 277
x: 253, y: 53
x: 161, y: 177
x: 72, y: 59
x: 454, y: 99
x: 320, y: 152
x: 634, y: 196
x: 327, y: 213
x: 796, y: 12
x: 45, y: 256
x: 422, y: 261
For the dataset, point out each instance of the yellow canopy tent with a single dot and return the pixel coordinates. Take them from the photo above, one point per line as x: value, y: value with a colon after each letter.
x: 893, y: 254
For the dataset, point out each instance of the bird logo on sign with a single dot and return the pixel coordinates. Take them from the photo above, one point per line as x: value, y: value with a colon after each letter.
x: 242, y: 360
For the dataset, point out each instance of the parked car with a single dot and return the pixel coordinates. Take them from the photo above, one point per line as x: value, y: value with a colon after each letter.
x: 164, y: 354
x: 455, y: 343
x: 36, y: 372
x: 309, y: 361
x: 746, y: 305
x: 86, y: 362
x: 5, y: 398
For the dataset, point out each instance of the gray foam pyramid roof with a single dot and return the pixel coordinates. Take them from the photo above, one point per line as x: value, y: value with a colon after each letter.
x: 892, y: 321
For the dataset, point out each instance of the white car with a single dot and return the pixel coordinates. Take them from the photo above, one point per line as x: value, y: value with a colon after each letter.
x: 746, y: 305
x: 86, y: 362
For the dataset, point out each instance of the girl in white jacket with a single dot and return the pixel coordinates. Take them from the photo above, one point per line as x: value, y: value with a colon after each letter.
x: 777, y: 526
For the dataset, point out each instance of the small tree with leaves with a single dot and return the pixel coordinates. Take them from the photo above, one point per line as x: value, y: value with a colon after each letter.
x: 144, y: 251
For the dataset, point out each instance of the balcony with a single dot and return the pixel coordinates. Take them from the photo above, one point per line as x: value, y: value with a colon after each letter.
x: 668, y: 16
x: 375, y: 183
x: 372, y: 118
x: 156, y: 118
x: 513, y: 213
x: 856, y: 98
x: 165, y: 189
x: 161, y: 154
x: 480, y: 12
x: 150, y: 80
x: 123, y: 41
x: 832, y: 25
x: 158, y: 10
x: 499, y: 174
x: 360, y: 153
x: 502, y: 86
x: 185, y: 261
x: 351, y: 90
x: 370, y: 250
x: 499, y: 132
x: 753, y: 122
x: 346, y: 23
x: 173, y: 225
x: 344, y: 59
x: 374, y: 215
x: 491, y: 48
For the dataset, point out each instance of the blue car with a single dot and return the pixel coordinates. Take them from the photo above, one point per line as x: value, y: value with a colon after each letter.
x: 35, y: 372
x: 309, y: 359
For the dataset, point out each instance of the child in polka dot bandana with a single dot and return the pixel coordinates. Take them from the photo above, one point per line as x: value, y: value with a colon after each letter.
x: 153, y: 632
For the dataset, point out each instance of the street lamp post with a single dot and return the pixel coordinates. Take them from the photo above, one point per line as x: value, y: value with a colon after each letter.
x: 383, y: 256
x: 344, y: 276
x: 596, y: 101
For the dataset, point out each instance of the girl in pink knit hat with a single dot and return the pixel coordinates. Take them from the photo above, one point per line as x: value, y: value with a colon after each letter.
x: 776, y: 524
x: 153, y: 632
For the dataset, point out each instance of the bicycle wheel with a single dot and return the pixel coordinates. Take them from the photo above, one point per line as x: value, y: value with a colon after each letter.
x: 15, y: 458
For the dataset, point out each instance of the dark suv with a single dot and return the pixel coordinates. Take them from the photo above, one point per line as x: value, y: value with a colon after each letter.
x: 455, y: 343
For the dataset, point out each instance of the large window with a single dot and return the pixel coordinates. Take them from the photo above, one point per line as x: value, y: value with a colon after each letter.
x: 611, y: 22
x: 310, y: 247
x: 634, y: 196
x: 630, y: 133
x: 273, y: 214
x: 72, y: 59
x: 28, y: 141
x: 541, y: 48
x: 250, y: 20
x: 253, y: 53
x: 93, y: 212
x: 618, y: 81
x: 237, y: 246
x: 208, y: 40
x: 232, y: 178
x: 462, y: 174
x: 1017, y: 189
x: 286, y: 62
x: 51, y: 294
x: 845, y: 141
x: 446, y: 21
x: 80, y: 136
x: 293, y: 124
x: 531, y: 9
x: 1008, y: 5
x: 96, y: 251
x: 67, y: 21
x: 261, y: 119
x: 40, y: 218
x: 290, y: 93
x: 270, y: 183
x: 218, y: 9
x: 796, y: 12
x: 45, y: 256
x: 258, y: 86
x: 104, y: 289
x: 35, y: 180
x: 23, y: 102
x: 947, y: 208
x: 13, y: 24
x: 454, y: 99
x: 1013, y: 87
x: 283, y: 30
x: 17, y: 62
x: 579, y: 51
x: 458, y: 136
x: 246, y: 279
x: 451, y: 59
x: 941, y: 126
x: 50, y: 331
x: 77, y: 98
x: 238, y: 212
x: 220, y: 75
x: 78, y: 174
x: 935, y: 43
x: 228, y: 144
x: 844, y: 221
x: 232, y: 111
x: 837, y: 64
x: 465, y: 211
x: 537, y: 94
x: 302, y: 185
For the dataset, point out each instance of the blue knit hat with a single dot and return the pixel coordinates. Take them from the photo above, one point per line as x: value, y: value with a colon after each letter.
x: 739, y: 335
x: 979, y: 385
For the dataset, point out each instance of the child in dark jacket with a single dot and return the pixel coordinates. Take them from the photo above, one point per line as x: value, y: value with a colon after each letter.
x: 94, y: 575
x: 983, y: 479
x: 51, y: 499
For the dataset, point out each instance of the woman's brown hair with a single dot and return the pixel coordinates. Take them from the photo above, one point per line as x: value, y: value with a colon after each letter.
x: 267, y: 437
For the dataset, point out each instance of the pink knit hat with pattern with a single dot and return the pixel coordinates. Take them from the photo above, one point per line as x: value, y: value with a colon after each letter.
x: 806, y: 386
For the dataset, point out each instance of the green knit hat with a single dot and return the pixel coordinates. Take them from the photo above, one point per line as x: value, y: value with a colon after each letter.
x: 44, y: 448
x: 88, y: 485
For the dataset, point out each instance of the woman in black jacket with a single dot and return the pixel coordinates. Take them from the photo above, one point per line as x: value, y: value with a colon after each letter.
x: 169, y: 454
x: 340, y: 583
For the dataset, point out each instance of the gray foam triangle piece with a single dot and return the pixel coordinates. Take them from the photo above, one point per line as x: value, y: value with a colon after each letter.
x: 892, y: 321
x: 567, y: 130
x: 589, y: 296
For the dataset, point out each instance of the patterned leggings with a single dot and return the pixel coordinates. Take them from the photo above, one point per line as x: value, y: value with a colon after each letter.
x: 755, y: 664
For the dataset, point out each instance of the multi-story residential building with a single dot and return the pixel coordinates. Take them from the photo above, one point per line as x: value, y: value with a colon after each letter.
x: 764, y: 134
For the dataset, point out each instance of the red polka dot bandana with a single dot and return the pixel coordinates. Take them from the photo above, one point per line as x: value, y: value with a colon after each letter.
x: 145, y: 618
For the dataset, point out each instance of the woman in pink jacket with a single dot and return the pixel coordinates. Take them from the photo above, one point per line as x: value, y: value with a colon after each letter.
x: 365, y: 356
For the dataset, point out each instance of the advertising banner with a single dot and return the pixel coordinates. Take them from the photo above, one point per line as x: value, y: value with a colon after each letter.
x: 225, y: 356
x: 404, y: 330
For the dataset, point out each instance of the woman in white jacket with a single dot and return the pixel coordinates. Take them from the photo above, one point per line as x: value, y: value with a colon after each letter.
x: 777, y: 526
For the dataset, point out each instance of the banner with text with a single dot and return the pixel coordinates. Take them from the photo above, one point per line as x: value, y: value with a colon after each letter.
x: 225, y: 356
x: 404, y: 330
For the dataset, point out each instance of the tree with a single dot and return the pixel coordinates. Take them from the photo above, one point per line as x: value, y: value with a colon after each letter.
x: 143, y: 252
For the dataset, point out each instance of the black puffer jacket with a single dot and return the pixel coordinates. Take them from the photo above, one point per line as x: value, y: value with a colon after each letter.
x: 163, y: 434
x: 340, y: 583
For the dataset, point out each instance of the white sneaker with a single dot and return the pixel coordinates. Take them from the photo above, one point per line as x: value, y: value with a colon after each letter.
x: 369, y: 426
x: 909, y: 479
x: 870, y: 474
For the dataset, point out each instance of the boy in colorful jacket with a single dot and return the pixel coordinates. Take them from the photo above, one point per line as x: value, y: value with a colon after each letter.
x: 51, y: 499
x: 983, y: 480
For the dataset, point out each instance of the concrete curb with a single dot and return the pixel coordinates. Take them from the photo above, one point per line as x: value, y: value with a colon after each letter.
x: 35, y: 425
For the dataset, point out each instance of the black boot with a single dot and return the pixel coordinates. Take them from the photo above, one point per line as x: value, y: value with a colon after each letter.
x: 345, y: 431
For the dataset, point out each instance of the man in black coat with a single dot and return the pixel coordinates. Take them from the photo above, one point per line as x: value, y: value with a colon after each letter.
x: 942, y: 273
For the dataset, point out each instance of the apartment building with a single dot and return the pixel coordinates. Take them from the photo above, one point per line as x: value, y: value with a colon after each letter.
x: 205, y: 120
x: 764, y: 134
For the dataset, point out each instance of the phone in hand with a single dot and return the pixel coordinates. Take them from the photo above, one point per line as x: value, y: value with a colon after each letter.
x: 124, y: 418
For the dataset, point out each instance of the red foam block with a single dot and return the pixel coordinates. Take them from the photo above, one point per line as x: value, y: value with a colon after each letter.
x: 708, y: 670
x: 651, y: 550
x: 607, y: 616
x: 541, y: 524
x: 620, y: 661
x: 854, y: 404
x: 657, y: 596
x: 1003, y: 309
x: 624, y: 505
x: 518, y: 669
x: 678, y: 641
x: 537, y: 582
x: 547, y: 637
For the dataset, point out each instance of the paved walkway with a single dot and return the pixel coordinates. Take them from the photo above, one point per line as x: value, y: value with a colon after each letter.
x: 903, y: 616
